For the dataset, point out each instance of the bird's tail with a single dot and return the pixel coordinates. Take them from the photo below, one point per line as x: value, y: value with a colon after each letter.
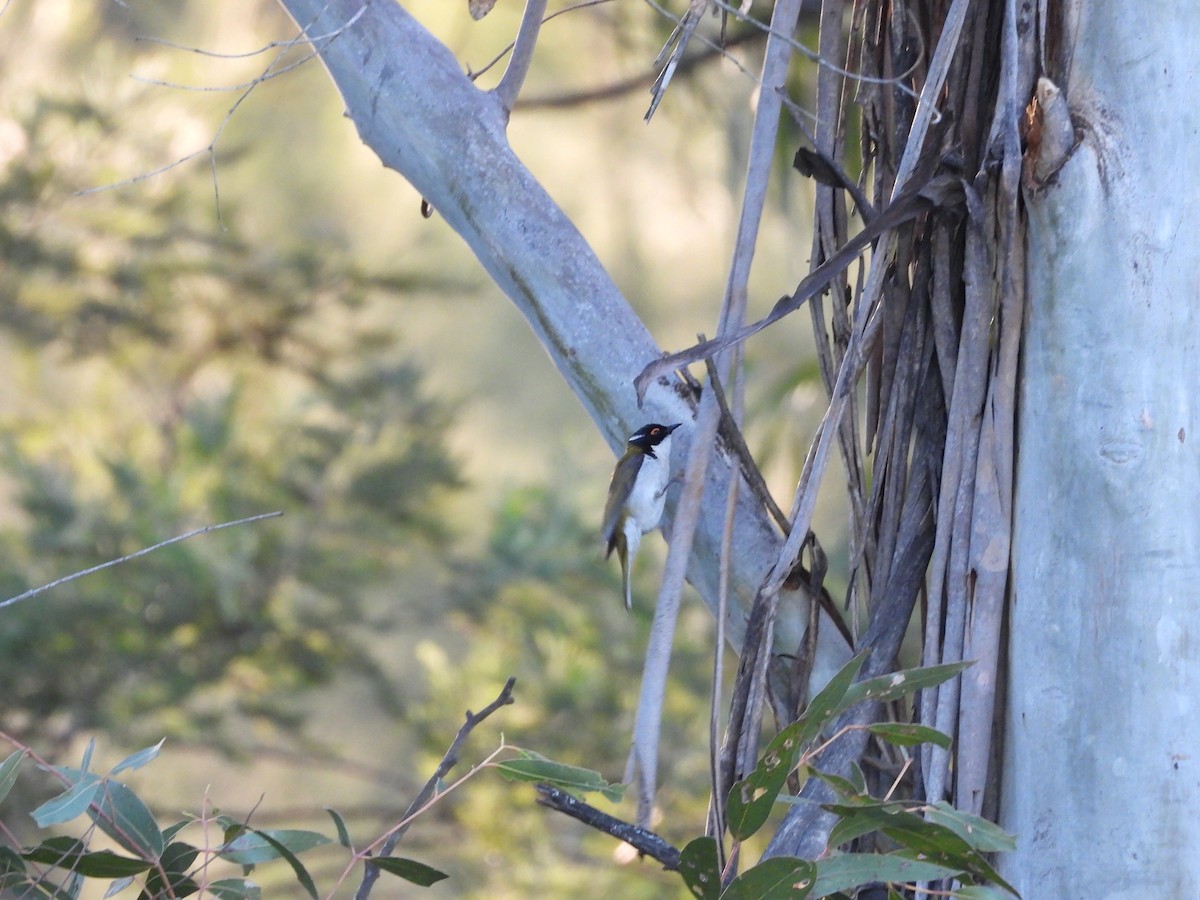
x: 629, y: 548
x: 627, y: 577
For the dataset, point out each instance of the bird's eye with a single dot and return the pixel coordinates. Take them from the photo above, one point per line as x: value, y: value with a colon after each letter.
x: 654, y: 431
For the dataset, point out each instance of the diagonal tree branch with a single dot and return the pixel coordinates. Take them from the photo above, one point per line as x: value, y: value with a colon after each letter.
x: 414, y: 106
x: 643, y: 840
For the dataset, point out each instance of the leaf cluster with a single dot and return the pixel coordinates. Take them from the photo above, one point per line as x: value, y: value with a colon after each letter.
x: 153, y: 860
x: 931, y: 841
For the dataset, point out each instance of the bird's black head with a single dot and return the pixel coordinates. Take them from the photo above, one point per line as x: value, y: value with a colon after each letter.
x: 650, y: 436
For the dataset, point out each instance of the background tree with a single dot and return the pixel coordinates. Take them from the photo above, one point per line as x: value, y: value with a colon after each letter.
x: 239, y: 394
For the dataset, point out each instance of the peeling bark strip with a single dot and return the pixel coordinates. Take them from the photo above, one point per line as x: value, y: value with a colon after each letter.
x: 936, y: 323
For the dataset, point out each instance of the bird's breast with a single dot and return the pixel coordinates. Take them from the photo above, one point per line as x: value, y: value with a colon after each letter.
x: 649, y: 492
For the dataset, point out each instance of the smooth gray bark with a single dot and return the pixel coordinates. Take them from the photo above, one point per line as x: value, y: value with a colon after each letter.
x: 1101, y: 776
x: 415, y: 108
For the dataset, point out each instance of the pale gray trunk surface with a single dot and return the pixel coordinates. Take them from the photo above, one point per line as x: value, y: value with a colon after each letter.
x: 1101, y: 778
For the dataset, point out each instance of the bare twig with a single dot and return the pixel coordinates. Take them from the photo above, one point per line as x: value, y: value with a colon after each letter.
x: 33, y: 592
x: 474, y: 74
x: 317, y: 41
x: 522, y: 56
x: 710, y: 53
x: 643, y: 840
x: 449, y: 761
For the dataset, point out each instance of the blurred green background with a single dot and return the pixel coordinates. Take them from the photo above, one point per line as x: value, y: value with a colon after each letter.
x: 277, y: 327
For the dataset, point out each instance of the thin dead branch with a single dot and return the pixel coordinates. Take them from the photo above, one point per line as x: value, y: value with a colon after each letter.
x: 33, y: 592
x: 430, y: 790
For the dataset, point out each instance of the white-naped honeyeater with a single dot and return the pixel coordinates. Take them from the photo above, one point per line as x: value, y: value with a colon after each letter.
x: 636, y: 495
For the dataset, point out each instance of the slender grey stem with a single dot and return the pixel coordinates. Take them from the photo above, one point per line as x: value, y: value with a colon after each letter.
x: 33, y: 592
x: 518, y: 66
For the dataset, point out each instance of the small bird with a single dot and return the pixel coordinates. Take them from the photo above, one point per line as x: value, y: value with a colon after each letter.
x: 636, y: 495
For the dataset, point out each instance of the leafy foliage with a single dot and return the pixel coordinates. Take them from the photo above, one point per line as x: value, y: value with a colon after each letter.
x: 167, y: 374
x: 163, y: 864
x: 931, y: 842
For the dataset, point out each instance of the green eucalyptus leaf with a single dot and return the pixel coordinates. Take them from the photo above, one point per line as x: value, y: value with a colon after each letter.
x: 895, y: 685
x: 139, y: 759
x: 10, y: 861
x: 750, y: 800
x: 700, y: 868
x: 69, y: 853
x: 252, y: 846
x: 340, y: 824
x: 778, y: 878
x: 979, y: 892
x: 531, y: 767
x: 855, y: 820
x: 87, y: 755
x: 117, y: 886
x: 850, y: 870
x: 235, y: 889
x: 844, y: 786
x: 68, y: 805
x: 409, y: 869
x: 906, y: 734
x: 122, y: 815
x: 255, y: 846
x: 985, y: 836
x: 8, y: 772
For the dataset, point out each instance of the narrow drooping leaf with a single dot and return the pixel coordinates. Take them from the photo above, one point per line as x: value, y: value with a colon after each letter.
x: 409, y: 869
x: 570, y: 778
x: 701, y: 871
x: 69, y: 853
x: 8, y: 772
x: 87, y: 755
x: 292, y: 842
x: 906, y: 734
x: 340, y: 824
x: 139, y: 759
x: 253, y: 846
x: 117, y: 886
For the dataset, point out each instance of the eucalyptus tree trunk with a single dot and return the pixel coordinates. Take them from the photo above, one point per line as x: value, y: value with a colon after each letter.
x: 1101, y: 773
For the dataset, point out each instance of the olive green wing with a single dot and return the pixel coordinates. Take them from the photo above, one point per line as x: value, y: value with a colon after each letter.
x: 619, y: 490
